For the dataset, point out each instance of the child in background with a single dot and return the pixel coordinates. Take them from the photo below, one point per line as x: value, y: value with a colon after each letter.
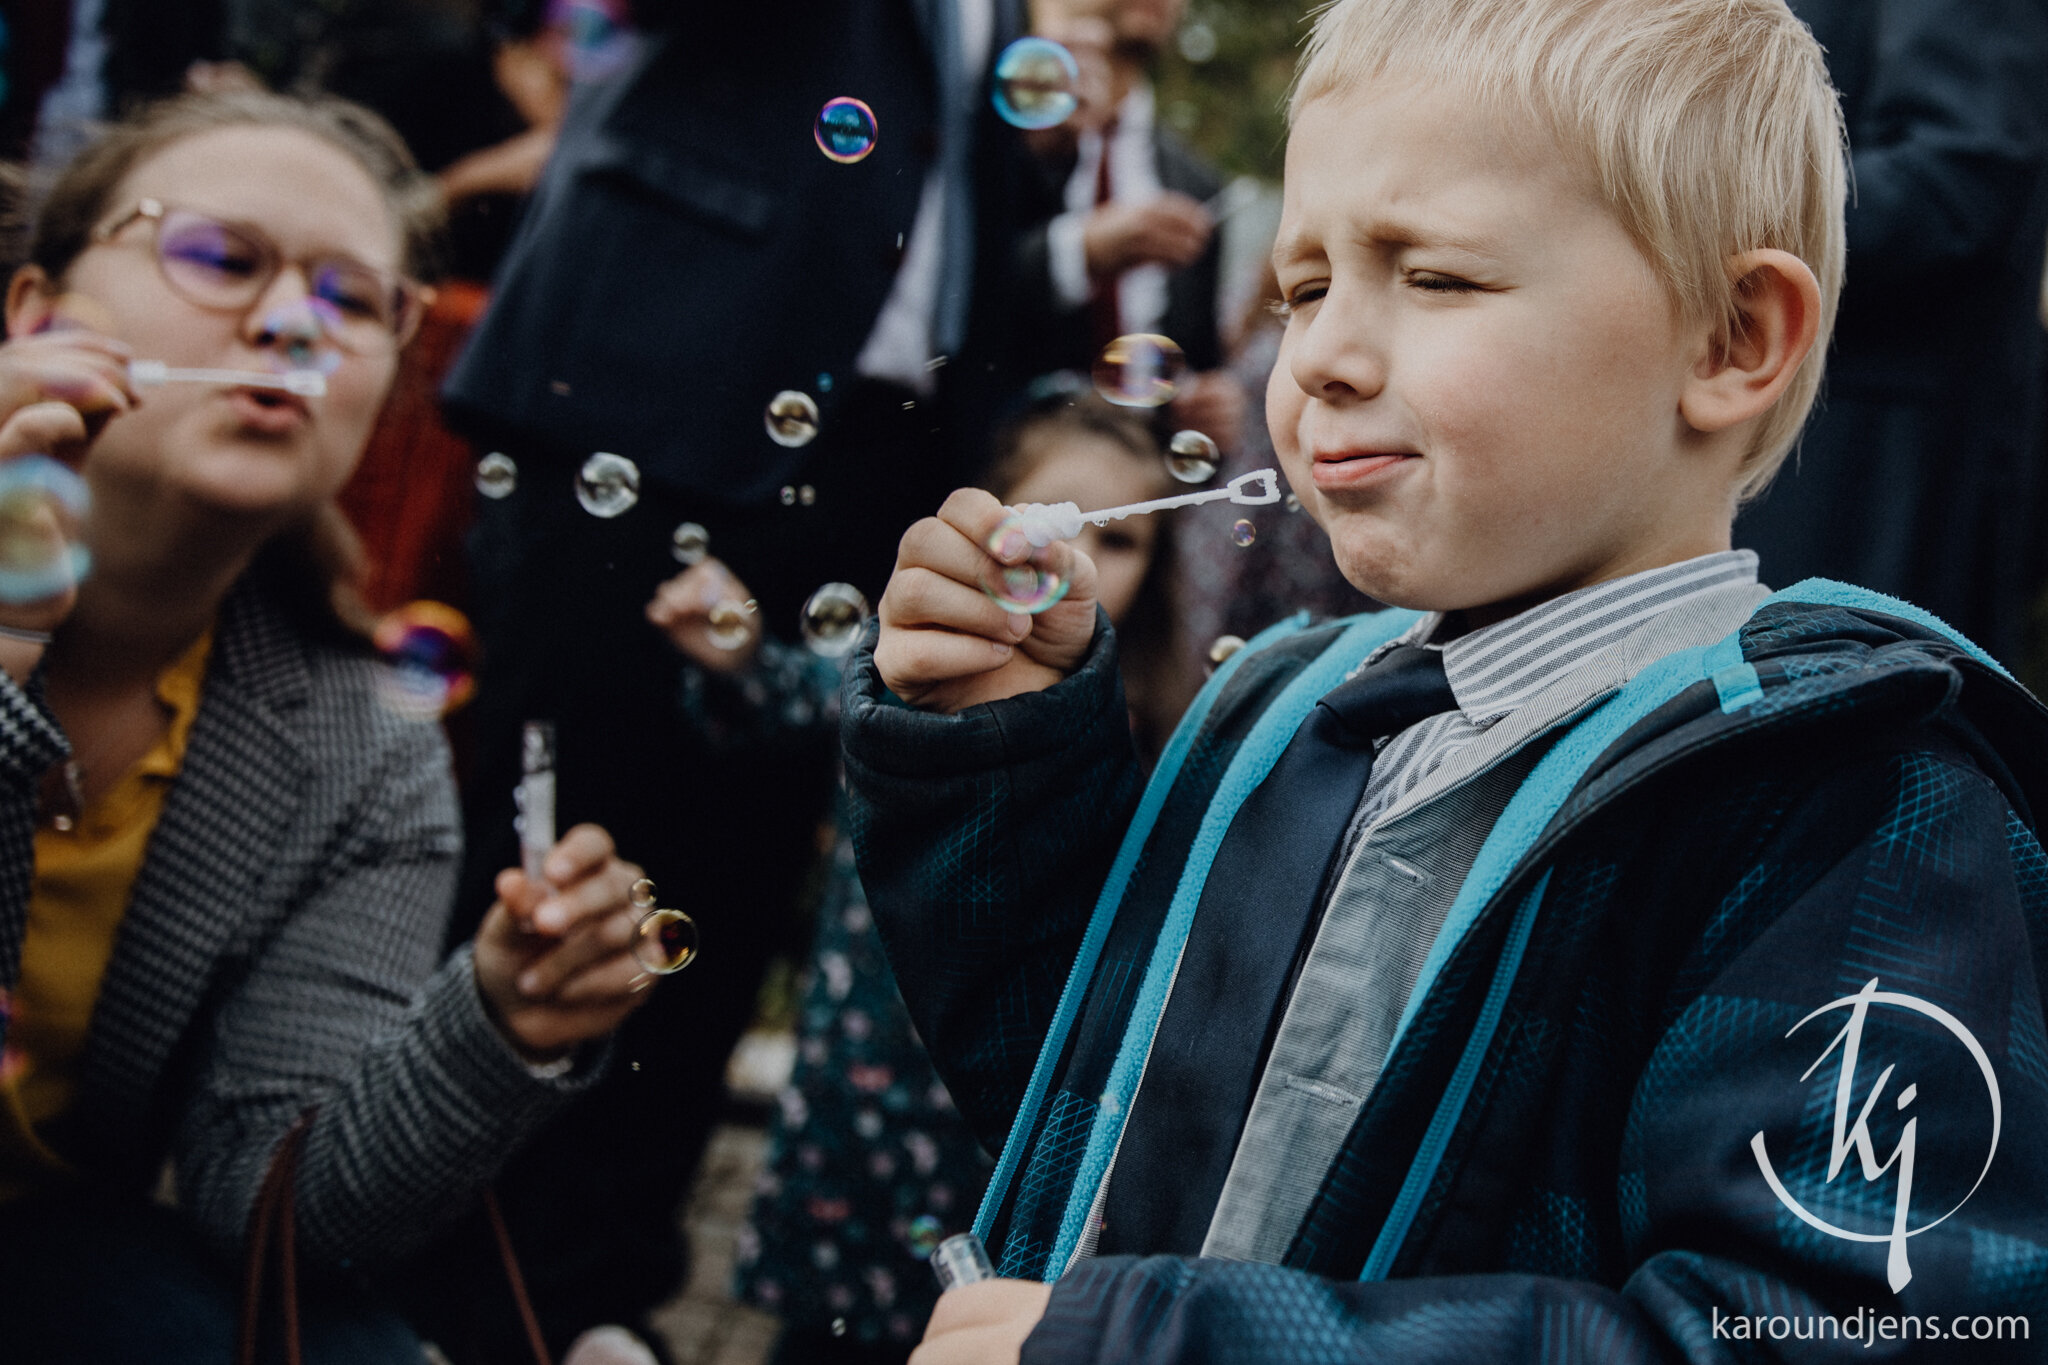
x: 1462, y: 986
x: 869, y: 1162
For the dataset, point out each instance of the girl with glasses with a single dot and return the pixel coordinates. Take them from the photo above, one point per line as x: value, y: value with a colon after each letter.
x: 225, y: 861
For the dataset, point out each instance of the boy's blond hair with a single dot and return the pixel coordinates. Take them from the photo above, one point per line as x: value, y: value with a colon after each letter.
x: 1710, y: 127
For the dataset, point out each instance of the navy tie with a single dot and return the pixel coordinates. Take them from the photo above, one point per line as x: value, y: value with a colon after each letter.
x: 1258, y: 907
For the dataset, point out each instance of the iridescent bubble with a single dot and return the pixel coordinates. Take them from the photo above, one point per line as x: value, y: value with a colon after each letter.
x: 602, y: 40
x: 1293, y: 504
x: 496, y: 475
x: 1243, y: 533
x: 1191, y: 457
x: 846, y: 130
x: 791, y: 419
x: 1024, y: 571
x: 1142, y: 370
x: 824, y: 383
x: 926, y: 1232
x: 306, y: 326
x: 608, y: 485
x: 730, y: 623
x: 832, y: 619
x: 806, y: 495
x: 1035, y: 83
x: 1223, y: 647
x: 689, y: 543
x: 42, y: 513
x: 666, y: 941
x: 432, y: 653
x: 788, y: 495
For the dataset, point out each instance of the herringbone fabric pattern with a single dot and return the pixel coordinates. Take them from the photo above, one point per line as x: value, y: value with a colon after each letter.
x: 281, y: 949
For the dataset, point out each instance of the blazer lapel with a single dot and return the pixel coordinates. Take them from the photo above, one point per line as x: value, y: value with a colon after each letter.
x: 237, y: 791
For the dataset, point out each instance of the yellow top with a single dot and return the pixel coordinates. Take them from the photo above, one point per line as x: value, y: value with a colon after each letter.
x: 83, y: 878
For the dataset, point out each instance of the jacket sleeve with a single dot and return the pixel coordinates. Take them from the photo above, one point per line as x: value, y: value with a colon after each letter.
x: 1951, y: 132
x: 348, y: 1005
x: 983, y: 839
x: 30, y: 742
x: 1716, y: 1268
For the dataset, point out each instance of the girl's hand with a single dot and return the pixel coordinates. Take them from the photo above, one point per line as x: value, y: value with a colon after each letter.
x: 554, y: 959
x: 57, y: 390
x: 945, y: 644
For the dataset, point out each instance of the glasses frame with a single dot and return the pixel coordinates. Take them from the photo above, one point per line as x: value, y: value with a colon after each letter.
x: 414, y: 298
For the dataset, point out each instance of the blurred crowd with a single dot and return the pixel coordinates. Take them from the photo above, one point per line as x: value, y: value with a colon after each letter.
x: 643, y: 338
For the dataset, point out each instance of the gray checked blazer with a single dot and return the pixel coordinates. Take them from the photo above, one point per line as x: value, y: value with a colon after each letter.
x: 283, y: 948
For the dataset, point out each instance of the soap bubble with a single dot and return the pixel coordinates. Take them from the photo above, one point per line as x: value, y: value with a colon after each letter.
x: 1035, y: 83
x: 1141, y: 370
x: 1243, y: 533
x: 608, y: 485
x: 42, y: 513
x: 833, y: 618
x: 432, y: 653
x: 788, y: 495
x: 1191, y: 457
x: 1293, y: 503
x: 496, y: 475
x: 689, y: 543
x: 307, y: 327
x: 791, y: 419
x: 926, y: 1232
x: 666, y: 941
x: 806, y: 495
x: 1223, y: 647
x: 1026, y: 573
x: 846, y: 130
x: 730, y: 623
x: 601, y: 37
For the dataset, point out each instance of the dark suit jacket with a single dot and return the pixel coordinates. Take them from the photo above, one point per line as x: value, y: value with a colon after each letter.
x: 689, y: 252
x: 1061, y: 338
x: 1918, y: 472
x: 282, y: 948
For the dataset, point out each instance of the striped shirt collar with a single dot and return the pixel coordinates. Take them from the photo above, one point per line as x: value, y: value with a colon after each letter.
x: 1494, y: 669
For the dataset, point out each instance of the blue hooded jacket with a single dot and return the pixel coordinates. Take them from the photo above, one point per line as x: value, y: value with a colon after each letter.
x: 1621, y: 1039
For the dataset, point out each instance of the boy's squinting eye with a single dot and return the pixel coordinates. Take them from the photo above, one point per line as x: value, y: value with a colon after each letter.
x: 1299, y: 299
x: 1431, y: 282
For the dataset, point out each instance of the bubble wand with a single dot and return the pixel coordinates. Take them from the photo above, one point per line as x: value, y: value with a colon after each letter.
x: 304, y: 383
x: 1064, y: 520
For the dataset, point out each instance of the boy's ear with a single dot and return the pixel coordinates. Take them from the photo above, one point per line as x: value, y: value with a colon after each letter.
x: 30, y: 301
x: 1777, y: 317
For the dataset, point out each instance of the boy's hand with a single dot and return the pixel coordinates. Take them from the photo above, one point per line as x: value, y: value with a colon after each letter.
x: 554, y: 959
x: 682, y: 607
x: 983, y: 1323
x: 945, y: 644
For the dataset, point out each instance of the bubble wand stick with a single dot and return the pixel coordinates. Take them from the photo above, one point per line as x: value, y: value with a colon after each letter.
x: 1064, y: 520
x: 304, y: 383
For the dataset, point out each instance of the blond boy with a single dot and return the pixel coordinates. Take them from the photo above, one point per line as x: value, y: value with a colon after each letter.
x: 1455, y: 989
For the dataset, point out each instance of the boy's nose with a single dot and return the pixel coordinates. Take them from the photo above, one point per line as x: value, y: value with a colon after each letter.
x: 1335, y: 357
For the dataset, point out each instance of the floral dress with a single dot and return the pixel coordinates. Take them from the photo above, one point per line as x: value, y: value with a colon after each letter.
x: 869, y: 1165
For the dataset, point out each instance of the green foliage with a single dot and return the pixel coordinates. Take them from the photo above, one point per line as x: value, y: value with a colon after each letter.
x: 1224, y: 83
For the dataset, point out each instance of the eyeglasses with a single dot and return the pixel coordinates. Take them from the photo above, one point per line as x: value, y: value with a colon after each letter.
x: 226, y: 268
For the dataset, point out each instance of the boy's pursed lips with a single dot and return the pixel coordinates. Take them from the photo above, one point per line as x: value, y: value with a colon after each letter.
x: 1353, y: 467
